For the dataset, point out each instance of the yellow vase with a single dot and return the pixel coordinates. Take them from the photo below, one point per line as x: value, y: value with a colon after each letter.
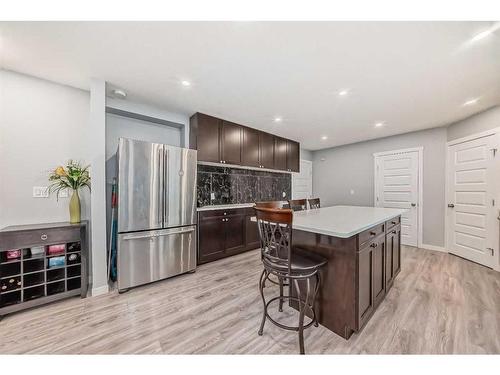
x: 74, y: 208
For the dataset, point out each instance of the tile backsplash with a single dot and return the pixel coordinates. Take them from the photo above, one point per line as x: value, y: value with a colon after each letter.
x: 233, y: 185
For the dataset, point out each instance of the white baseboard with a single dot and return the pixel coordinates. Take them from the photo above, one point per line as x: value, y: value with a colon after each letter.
x: 99, y: 291
x: 433, y: 247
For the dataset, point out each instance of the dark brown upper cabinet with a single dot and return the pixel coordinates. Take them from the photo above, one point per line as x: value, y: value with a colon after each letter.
x: 231, y: 143
x: 204, y: 136
x: 266, y: 150
x: 221, y: 141
x: 293, y: 156
x: 280, y: 153
x: 250, y: 150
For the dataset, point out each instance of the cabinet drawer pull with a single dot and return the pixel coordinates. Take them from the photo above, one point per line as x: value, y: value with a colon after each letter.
x: 372, y: 233
x: 374, y: 244
x: 393, y: 232
x: 43, y: 237
x: 394, y: 222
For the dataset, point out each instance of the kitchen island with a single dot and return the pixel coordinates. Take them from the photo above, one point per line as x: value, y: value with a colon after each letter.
x: 363, y: 248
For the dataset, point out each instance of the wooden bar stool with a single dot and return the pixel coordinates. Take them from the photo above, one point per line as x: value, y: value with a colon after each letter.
x: 298, y: 204
x: 275, y: 229
x: 314, y: 203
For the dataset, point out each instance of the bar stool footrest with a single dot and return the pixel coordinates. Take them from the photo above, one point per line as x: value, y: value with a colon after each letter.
x: 283, y: 326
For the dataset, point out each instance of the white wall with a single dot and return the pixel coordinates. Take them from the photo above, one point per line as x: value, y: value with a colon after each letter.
x: 306, y: 154
x: 157, y: 113
x: 351, y: 167
x: 119, y: 126
x: 42, y: 125
x: 477, y: 123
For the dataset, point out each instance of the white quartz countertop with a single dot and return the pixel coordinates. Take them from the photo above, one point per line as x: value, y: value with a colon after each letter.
x: 225, y: 206
x: 342, y: 221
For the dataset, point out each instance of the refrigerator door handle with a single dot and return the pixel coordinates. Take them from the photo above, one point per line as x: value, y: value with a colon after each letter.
x: 181, y: 231
x: 165, y: 187
x: 160, y: 191
x: 169, y: 233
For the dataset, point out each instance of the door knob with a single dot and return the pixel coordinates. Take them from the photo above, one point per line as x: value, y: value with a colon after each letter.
x: 413, y: 204
x: 451, y: 205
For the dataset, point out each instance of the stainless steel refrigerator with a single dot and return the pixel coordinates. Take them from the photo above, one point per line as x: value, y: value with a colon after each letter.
x: 156, y: 212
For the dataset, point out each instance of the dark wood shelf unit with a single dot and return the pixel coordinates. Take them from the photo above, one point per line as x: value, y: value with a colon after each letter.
x: 224, y: 142
x: 41, y: 284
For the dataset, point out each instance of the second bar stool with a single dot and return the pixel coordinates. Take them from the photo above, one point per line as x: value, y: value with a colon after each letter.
x: 275, y: 229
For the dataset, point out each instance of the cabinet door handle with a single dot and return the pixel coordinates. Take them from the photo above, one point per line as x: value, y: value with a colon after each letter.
x: 393, y: 232
x: 43, y: 237
x: 451, y: 205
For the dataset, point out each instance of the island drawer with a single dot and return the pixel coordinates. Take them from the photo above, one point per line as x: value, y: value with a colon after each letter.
x: 393, y: 222
x: 365, y: 237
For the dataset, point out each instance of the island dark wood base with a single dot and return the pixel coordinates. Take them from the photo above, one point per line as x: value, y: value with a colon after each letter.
x: 360, y: 271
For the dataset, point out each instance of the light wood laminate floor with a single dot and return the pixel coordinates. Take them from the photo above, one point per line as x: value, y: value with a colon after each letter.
x: 439, y: 304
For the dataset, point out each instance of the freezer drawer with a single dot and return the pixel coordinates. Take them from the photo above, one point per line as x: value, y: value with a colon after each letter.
x: 144, y: 257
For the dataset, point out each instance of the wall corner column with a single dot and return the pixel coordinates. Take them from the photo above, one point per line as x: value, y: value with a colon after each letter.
x: 97, y: 147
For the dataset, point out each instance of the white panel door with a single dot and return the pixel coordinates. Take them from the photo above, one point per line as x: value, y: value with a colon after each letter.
x: 472, y: 227
x: 397, y: 187
x: 302, y: 182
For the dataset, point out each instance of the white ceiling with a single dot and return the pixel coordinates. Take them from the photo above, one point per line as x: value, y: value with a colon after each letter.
x: 410, y: 75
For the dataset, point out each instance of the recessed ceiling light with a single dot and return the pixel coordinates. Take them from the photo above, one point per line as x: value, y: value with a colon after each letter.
x: 278, y: 119
x: 185, y: 83
x: 471, y: 101
x: 379, y: 124
x: 119, y: 94
x: 343, y: 92
x: 324, y: 138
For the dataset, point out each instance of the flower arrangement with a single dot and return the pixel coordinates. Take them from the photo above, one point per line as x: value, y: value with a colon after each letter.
x: 74, y: 176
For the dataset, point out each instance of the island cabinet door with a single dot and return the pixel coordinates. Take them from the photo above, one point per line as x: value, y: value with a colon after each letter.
x: 365, y: 285
x: 396, y: 251
x: 390, y: 253
x: 378, y: 270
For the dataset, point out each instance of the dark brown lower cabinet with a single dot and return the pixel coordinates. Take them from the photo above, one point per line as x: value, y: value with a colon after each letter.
x: 371, y: 278
x: 393, y: 254
x: 235, y: 233
x: 358, y: 275
x: 222, y: 233
x: 365, y: 285
x: 252, y: 233
x: 212, y: 239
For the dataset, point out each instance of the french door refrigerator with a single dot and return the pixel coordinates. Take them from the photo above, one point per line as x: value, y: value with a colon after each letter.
x: 156, y: 212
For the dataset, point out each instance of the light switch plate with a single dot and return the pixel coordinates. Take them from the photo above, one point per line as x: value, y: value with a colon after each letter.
x: 352, y: 192
x: 40, y: 192
x: 212, y: 196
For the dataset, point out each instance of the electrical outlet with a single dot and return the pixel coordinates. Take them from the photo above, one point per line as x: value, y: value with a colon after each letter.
x: 352, y: 192
x: 212, y: 196
x: 284, y: 194
x: 64, y: 193
x: 40, y: 192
